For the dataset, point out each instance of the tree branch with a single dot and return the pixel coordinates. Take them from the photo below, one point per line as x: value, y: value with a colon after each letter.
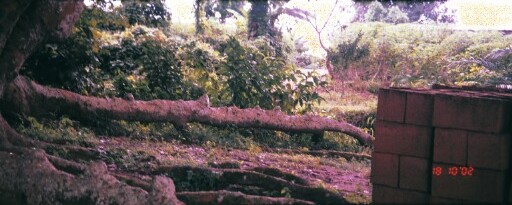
x: 28, y: 97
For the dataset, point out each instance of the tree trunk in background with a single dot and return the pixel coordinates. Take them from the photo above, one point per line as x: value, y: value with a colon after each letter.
x: 258, y: 24
x: 198, y: 13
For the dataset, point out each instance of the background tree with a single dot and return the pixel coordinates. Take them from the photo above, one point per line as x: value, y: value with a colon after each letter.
x: 415, y: 11
x: 147, y: 12
x: 258, y: 23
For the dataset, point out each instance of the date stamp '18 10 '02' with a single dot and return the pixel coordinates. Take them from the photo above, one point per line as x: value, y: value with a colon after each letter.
x: 453, y: 171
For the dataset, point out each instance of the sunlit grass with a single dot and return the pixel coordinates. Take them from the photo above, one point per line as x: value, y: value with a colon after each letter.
x: 348, y: 101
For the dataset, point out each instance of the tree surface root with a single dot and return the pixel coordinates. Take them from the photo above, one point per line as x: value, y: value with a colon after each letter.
x: 33, y: 176
x: 27, y: 97
x: 282, y: 175
x: 222, y: 179
x: 34, y: 179
x: 228, y: 198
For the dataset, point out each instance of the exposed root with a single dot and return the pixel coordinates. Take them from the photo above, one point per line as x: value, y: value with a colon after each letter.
x: 224, y: 178
x: 34, y: 177
x: 231, y: 198
x: 283, y: 175
x: 133, y: 181
x: 32, y: 174
x: 29, y: 175
x: 67, y: 166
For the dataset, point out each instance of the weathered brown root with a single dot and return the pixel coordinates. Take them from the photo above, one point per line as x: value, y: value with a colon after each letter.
x: 235, y: 198
x: 66, y: 166
x: 9, y: 138
x: 27, y: 97
x: 30, y: 176
x: 133, y: 181
x: 36, y: 180
x: 283, y: 175
x: 328, y: 153
x: 224, y: 178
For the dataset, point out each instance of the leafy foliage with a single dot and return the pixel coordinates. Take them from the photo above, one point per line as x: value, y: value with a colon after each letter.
x: 395, y: 16
x: 248, y: 74
x: 348, y: 52
x: 412, y: 11
x: 377, y: 12
x: 113, y: 57
x: 413, y: 55
x: 72, y: 63
x: 150, y: 13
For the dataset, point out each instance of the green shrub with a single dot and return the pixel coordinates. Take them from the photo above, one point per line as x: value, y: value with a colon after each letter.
x: 418, y: 55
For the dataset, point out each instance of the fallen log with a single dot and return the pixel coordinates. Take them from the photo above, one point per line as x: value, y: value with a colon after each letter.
x: 28, y: 97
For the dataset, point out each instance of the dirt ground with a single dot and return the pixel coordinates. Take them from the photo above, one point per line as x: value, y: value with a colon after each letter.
x: 348, y: 177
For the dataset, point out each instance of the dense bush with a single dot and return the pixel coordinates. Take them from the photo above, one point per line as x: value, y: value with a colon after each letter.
x: 71, y: 64
x: 248, y: 74
x: 421, y: 55
x: 112, y: 57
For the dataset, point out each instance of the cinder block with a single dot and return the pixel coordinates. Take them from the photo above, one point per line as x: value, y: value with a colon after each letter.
x: 450, y: 146
x: 420, y: 107
x: 464, y: 111
x: 387, y: 195
x: 484, y: 186
x: 490, y: 151
x: 414, y: 173
x: 391, y: 105
x: 439, y: 200
x: 510, y: 193
x: 396, y: 138
x: 384, y: 169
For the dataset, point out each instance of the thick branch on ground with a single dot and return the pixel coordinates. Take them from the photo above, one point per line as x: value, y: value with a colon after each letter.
x: 25, y: 96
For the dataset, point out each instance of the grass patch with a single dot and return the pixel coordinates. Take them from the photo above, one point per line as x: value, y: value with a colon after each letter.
x: 58, y: 131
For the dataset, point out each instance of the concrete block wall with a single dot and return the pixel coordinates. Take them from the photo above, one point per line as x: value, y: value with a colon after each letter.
x: 442, y: 146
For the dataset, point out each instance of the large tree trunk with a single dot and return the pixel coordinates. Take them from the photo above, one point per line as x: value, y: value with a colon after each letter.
x: 30, y: 98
